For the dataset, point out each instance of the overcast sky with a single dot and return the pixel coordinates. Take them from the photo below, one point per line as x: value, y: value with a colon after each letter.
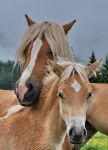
x: 89, y: 33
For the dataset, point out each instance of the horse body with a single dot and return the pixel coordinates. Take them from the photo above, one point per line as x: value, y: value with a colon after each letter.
x: 7, y: 100
x: 32, y: 127
x: 98, y: 109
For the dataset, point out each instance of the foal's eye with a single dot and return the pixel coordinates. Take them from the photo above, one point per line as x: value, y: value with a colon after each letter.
x: 89, y: 94
x: 60, y: 95
x: 50, y: 55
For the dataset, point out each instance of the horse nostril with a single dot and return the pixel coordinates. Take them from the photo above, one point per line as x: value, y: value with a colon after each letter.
x: 84, y: 133
x: 71, y: 132
x: 77, y: 134
x: 30, y: 91
x: 29, y: 86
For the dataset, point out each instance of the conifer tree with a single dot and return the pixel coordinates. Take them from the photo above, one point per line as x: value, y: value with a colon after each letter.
x: 92, y: 58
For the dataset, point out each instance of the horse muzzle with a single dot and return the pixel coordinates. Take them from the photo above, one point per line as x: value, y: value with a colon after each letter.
x: 77, y: 136
x: 28, y: 95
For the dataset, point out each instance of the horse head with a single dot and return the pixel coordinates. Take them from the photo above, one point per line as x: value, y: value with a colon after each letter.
x: 74, y: 95
x: 41, y: 40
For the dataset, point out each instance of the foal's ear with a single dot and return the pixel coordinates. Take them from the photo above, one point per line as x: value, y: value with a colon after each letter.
x: 68, y: 26
x: 92, y: 68
x: 29, y: 21
x: 57, y: 69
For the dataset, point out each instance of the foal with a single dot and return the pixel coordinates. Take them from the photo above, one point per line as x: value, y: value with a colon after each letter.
x: 61, y: 108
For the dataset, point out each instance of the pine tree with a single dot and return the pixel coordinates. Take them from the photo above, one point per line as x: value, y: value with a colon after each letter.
x: 92, y: 58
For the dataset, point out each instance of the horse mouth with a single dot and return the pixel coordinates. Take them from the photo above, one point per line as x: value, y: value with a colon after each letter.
x: 30, y: 98
x: 79, y: 141
x: 27, y: 102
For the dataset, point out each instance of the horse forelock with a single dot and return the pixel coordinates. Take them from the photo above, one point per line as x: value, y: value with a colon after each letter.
x: 54, y: 35
x: 70, y: 70
x: 73, y: 68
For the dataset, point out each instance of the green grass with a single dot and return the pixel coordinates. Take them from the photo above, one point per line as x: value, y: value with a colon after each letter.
x: 98, y: 142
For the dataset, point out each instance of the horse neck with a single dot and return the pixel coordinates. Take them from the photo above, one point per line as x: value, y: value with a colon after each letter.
x: 47, y: 90
x: 55, y: 126
x: 49, y: 114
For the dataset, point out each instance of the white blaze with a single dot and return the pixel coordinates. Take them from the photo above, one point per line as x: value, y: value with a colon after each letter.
x: 76, y: 86
x: 22, y: 89
x: 36, y: 47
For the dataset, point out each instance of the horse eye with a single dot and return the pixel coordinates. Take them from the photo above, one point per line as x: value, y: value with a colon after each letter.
x: 24, y: 52
x: 59, y: 94
x: 89, y: 94
x: 50, y: 55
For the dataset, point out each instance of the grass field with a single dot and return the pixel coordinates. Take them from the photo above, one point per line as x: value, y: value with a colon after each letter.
x: 98, y: 142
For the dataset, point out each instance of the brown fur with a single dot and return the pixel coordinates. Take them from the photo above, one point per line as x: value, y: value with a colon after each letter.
x: 7, y: 99
x: 98, y: 108
x: 26, y: 131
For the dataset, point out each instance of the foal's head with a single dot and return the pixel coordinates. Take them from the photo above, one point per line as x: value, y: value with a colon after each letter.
x: 74, y: 94
x: 41, y: 40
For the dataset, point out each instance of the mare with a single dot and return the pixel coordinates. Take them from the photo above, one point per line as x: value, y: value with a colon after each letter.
x: 61, y: 109
x: 41, y: 40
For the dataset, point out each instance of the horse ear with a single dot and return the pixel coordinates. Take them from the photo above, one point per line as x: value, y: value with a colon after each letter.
x: 57, y: 69
x: 92, y: 68
x: 29, y: 21
x: 68, y: 26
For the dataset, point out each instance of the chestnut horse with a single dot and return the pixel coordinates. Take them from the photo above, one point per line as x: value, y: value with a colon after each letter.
x: 61, y: 109
x: 41, y: 40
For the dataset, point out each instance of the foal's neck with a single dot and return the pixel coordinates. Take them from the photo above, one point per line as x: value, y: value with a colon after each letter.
x: 55, y: 125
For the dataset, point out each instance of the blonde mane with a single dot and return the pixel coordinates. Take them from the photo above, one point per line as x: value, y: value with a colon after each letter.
x: 74, y: 68
x: 71, y: 69
x: 54, y: 35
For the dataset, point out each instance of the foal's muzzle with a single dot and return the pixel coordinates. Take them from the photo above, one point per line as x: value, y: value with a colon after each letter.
x: 77, y: 135
x: 32, y: 94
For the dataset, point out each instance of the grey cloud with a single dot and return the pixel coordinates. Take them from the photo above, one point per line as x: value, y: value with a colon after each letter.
x: 89, y: 33
x: 4, y: 41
